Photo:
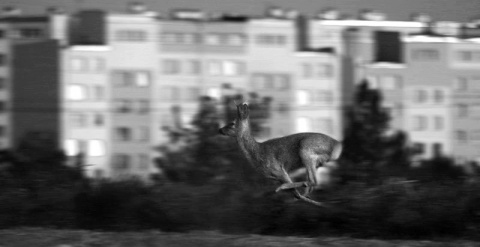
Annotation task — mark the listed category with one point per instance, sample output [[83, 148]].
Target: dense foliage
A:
[[207, 185]]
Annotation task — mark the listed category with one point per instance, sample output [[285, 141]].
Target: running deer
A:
[[276, 157]]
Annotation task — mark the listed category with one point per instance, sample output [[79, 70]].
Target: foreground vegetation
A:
[[207, 185], [63, 238]]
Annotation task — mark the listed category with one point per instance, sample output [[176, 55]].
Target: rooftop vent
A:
[[54, 10], [421, 17], [8, 11], [275, 12], [372, 15], [188, 14], [329, 14], [474, 23], [292, 14], [136, 8]]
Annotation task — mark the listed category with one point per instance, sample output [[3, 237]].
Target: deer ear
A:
[[243, 111]]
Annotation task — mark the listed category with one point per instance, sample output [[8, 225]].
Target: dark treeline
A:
[[207, 185]]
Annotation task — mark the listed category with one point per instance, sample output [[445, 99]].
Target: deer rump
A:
[[296, 154], [292, 151]]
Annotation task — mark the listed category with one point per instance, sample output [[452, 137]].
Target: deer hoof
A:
[[283, 187]]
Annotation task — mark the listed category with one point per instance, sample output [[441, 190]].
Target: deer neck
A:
[[249, 146]]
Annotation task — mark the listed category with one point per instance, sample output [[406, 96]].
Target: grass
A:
[[39, 237]]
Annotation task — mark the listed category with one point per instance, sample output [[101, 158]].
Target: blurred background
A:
[[109, 114]]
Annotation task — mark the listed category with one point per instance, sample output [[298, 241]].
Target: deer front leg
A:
[[310, 162], [291, 185]]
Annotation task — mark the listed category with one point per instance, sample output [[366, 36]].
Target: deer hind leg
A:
[[311, 162], [287, 182]]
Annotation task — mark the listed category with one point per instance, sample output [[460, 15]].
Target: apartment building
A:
[[117, 80], [261, 55], [433, 94], [29, 79], [110, 80]]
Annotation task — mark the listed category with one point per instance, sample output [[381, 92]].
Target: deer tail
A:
[[337, 151], [306, 199]]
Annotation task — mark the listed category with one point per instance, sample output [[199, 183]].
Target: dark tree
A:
[[369, 152], [200, 155]]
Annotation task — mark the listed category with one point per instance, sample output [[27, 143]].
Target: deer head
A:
[[239, 124]]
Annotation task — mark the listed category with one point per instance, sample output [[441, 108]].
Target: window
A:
[[461, 136], [439, 122], [461, 84], [77, 119], [323, 96], [79, 64], [437, 149], [96, 148], [3, 106], [214, 68], [123, 106], [303, 97], [474, 83], [170, 93], [131, 35], [307, 70], [71, 147], [232, 68], [131, 78], [468, 56], [192, 94], [475, 135], [143, 106], [143, 162], [171, 67], [123, 134], [259, 81], [180, 38], [212, 39], [372, 81], [282, 82], [226, 67], [99, 173], [303, 124], [418, 148], [144, 133], [236, 39], [325, 125], [98, 119], [98, 92], [420, 96], [390, 82], [76, 92], [30, 33], [3, 131], [269, 82], [142, 79], [121, 162], [3, 83], [425, 55], [98, 64], [214, 92], [462, 110], [419, 123], [324, 70], [438, 96], [271, 39], [194, 67], [3, 59]]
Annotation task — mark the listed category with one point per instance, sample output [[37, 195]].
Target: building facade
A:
[[111, 83]]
